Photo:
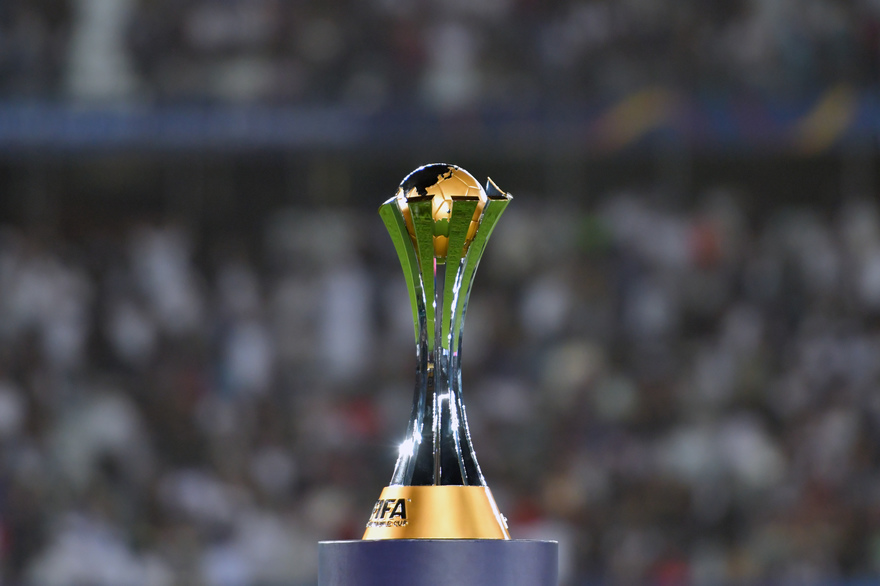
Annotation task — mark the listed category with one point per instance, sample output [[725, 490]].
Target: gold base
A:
[[436, 512]]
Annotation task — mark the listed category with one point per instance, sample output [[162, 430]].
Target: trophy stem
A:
[[435, 453], [438, 448]]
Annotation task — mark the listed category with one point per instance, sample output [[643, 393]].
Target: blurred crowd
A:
[[678, 393], [445, 55]]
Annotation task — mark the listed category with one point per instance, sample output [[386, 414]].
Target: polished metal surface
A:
[[436, 512], [440, 221]]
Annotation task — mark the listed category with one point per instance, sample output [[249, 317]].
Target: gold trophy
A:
[[439, 221]]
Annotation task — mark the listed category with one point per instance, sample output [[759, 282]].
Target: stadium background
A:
[[671, 357]]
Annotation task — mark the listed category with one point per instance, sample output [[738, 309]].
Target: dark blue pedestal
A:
[[438, 562]]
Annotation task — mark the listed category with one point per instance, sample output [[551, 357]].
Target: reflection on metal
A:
[[439, 222]]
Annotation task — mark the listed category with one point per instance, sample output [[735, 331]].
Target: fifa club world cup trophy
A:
[[439, 221]]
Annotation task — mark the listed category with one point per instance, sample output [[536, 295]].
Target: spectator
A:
[[675, 394]]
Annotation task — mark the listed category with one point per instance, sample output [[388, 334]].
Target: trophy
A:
[[439, 221]]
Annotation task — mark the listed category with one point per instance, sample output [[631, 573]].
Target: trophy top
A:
[[443, 181], [443, 184]]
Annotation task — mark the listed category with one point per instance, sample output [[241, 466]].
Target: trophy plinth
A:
[[431, 562], [439, 220]]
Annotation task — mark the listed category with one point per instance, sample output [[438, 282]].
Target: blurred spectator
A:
[[447, 55], [681, 394]]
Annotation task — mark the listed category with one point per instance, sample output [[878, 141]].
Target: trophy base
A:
[[436, 512], [428, 562]]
